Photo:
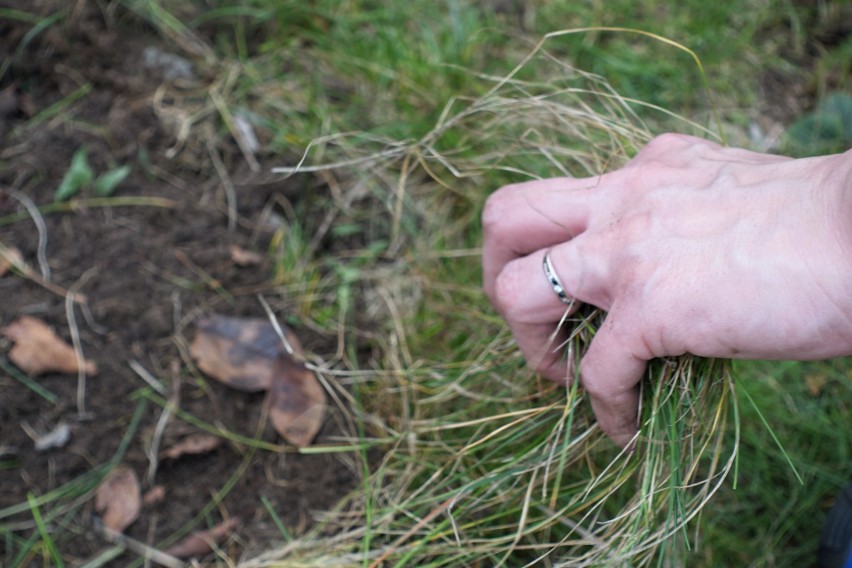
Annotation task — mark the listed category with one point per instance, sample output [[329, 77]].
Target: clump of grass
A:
[[489, 465]]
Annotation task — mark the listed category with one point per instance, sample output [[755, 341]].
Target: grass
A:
[[765, 503], [413, 112]]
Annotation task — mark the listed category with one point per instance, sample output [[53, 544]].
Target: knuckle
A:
[[664, 150], [497, 208], [674, 150], [670, 141], [646, 173]]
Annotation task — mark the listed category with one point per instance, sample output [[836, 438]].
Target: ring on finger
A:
[[553, 279]]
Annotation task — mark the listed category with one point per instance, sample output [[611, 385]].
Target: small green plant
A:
[[824, 130], [80, 175]]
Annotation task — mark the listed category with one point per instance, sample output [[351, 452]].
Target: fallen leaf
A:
[[296, 402], [156, 494], [38, 350], [203, 542], [10, 257], [243, 257], [816, 383], [240, 352], [118, 499], [248, 355], [193, 444]]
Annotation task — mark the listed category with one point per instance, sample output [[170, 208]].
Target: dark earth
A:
[[148, 271], [149, 268]]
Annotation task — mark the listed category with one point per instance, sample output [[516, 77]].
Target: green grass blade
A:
[[29, 383], [276, 519], [772, 434], [47, 540]]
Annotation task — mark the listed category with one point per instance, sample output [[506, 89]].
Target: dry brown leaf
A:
[[201, 543], [10, 257], [248, 355], [38, 350], [156, 494], [296, 402], [240, 352], [198, 443], [243, 257], [118, 499]]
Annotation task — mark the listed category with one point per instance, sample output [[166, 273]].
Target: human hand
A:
[[690, 248]]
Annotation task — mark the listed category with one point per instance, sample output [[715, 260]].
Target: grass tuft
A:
[[489, 465]]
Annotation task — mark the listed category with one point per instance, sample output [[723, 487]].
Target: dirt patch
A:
[[808, 44], [148, 269]]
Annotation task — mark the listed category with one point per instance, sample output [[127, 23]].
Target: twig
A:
[[165, 416], [228, 118], [119, 201], [395, 241], [227, 184], [133, 545], [143, 373], [78, 352], [90, 320], [41, 227], [205, 276], [75, 341], [301, 168], [18, 264], [277, 327]]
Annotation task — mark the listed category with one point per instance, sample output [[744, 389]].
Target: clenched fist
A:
[[690, 248]]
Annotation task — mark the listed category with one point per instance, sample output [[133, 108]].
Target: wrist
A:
[[835, 184]]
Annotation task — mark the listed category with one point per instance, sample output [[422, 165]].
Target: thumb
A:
[[610, 374]]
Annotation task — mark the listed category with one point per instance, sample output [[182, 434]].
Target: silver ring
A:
[[553, 279]]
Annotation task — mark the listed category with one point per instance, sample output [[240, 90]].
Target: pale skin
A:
[[690, 248]]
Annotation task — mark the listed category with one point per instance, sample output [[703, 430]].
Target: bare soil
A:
[[147, 271]]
